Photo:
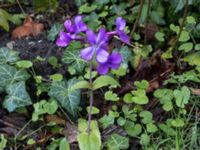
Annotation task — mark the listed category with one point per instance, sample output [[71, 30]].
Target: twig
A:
[[91, 101], [138, 17], [7, 5], [20, 6]]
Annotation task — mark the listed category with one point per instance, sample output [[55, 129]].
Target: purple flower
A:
[[113, 62], [120, 26], [97, 46], [72, 31]]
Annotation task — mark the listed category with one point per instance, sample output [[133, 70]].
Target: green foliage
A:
[[110, 96], [45, 5], [68, 99], [88, 141], [17, 96], [3, 142], [44, 107], [54, 31], [117, 142], [8, 56], [24, 64]]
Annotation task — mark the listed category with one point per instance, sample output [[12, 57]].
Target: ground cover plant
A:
[[101, 74]]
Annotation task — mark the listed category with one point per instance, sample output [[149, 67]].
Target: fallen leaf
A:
[[152, 86], [28, 28], [56, 119], [196, 91], [71, 132]]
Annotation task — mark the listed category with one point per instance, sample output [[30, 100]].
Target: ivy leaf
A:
[[8, 56], [68, 99], [186, 47], [104, 81], [182, 96], [9, 74], [54, 31], [17, 96], [73, 58], [117, 142]]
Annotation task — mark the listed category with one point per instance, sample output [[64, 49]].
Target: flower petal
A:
[[63, 39], [124, 37], [102, 55], [120, 23], [102, 69], [115, 58], [91, 37], [80, 25], [87, 53], [101, 37], [68, 25]]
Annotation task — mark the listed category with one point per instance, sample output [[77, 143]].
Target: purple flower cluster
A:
[[97, 42]]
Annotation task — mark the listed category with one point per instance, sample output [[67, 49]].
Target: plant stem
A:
[[91, 100]]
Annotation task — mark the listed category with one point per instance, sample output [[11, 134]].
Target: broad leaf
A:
[[104, 81], [117, 142], [8, 56], [9, 74], [17, 96], [73, 58], [81, 85], [68, 99]]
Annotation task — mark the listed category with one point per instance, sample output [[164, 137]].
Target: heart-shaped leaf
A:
[[17, 96], [8, 56], [65, 96]]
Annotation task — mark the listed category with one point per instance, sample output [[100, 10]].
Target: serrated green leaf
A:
[[8, 56], [9, 74], [17, 96], [117, 142], [68, 99], [104, 81]]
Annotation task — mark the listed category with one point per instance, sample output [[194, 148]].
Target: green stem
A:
[[91, 101]]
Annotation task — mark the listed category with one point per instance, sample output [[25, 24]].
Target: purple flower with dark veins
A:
[[113, 62], [72, 31], [97, 46], [120, 26]]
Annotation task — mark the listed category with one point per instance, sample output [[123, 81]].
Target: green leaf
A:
[[3, 142], [168, 130], [17, 96], [139, 97], [197, 47], [56, 77], [145, 139], [160, 36], [132, 129], [128, 98], [182, 96], [5, 16], [110, 96], [86, 8], [73, 58], [88, 141], [8, 56], [95, 110], [141, 84], [186, 47], [193, 59], [64, 144], [55, 29], [68, 99], [177, 122], [9, 74], [184, 36], [191, 20], [147, 117], [117, 142], [81, 85], [24, 64], [107, 120], [151, 128], [104, 81]]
